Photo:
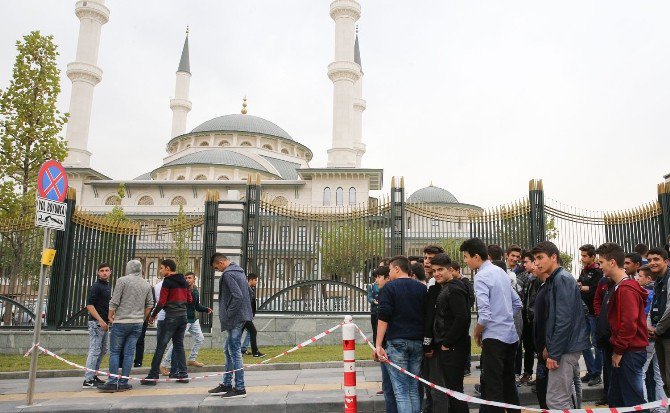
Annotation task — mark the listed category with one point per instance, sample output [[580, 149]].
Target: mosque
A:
[[222, 153]]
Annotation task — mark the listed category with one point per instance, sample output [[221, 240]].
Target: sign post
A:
[[50, 214]]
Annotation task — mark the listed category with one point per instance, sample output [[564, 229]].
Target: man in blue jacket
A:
[[566, 331], [234, 312]]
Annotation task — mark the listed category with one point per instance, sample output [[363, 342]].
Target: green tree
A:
[[117, 213], [181, 230]]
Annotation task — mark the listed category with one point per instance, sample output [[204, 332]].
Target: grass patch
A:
[[313, 353]]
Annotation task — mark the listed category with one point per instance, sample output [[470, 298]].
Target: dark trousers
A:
[[139, 347], [450, 366], [607, 370], [253, 333], [541, 380], [173, 328], [373, 322], [627, 380], [528, 348], [497, 379]]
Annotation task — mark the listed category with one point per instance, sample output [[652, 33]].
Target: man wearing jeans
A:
[[495, 332], [130, 305], [400, 323], [588, 284], [234, 312], [97, 305]]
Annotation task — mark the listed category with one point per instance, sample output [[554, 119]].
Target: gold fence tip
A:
[[212, 196], [258, 179], [531, 185], [71, 194], [539, 185], [402, 182], [393, 182]]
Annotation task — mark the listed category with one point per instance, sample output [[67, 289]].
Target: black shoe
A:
[[234, 394], [183, 379], [97, 381], [89, 384], [125, 387], [259, 354], [219, 390], [602, 402], [108, 388], [585, 378], [148, 381], [136, 364], [478, 390], [595, 381], [478, 366], [466, 372]]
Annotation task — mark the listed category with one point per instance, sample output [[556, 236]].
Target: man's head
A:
[[641, 249], [428, 253], [495, 252], [381, 276], [657, 261], [611, 258], [513, 256], [167, 267], [440, 264], [455, 270], [474, 253], [219, 261], [588, 254], [134, 267], [414, 259], [644, 275], [547, 259], [384, 262], [252, 279], [528, 261], [190, 278], [399, 267], [632, 263], [418, 272], [104, 271]]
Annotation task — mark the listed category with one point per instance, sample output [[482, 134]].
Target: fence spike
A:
[[393, 182]]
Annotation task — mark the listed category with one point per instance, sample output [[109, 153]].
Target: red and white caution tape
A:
[[108, 374], [472, 399], [30, 350]]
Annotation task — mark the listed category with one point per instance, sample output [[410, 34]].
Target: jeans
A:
[[233, 352], [387, 388], [170, 358], [97, 348], [653, 383], [561, 386], [122, 340], [593, 361], [627, 381], [408, 355], [250, 338], [497, 380], [173, 328]]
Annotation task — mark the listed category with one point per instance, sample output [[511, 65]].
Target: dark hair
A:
[[385, 262], [401, 262], [612, 251], [455, 266], [433, 249], [418, 271], [528, 255], [441, 259], [168, 263], [513, 247], [494, 252], [415, 258], [252, 276], [658, 251], [103, 265], [189, 273], [475, 246], [217, 256], [589, 249], [547, 247], [635, 257], [646, 269], [381, 271], [641, 249]]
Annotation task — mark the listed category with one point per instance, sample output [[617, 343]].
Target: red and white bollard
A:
[[349, 350]]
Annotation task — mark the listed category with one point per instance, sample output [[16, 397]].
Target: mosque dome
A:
[[433, 195], [217, 157], [242, 123]]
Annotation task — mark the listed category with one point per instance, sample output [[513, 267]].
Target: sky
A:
[[477, 97]]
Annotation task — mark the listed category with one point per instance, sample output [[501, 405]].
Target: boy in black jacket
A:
[[450, 335]]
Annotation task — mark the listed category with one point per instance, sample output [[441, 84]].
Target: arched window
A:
[[224, 143], [222, 178], [352, 196], [245, 143], [178, 200], [181, 178], [145, 200], [280, 201], [113, 200], [267, 146], [201, 177], [204, 143], [326, 196], [284, 151], [151, 270], [339, 196]]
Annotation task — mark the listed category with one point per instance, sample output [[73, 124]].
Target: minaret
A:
[[344, 73], [359, 107], [180, 105], [84, 75]]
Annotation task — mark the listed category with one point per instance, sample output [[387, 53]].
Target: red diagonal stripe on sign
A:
[[54, 183]]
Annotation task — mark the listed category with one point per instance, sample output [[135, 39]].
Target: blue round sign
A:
[[52, 181]]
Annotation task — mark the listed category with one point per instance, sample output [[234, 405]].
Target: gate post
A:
[[538, 222], [60, 272], [664, 219], [397, 217], [252, 226], [208, 249], [349, 353]]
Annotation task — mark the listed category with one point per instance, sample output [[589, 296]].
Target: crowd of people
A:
[[528, 307], [122, 317]]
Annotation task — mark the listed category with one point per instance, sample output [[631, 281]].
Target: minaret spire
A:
[[180, 105], [359, 106]]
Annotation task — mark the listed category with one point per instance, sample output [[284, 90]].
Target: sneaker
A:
[[246, 353], [89, 384], [234, 394], [595, 381], [97, 381], [183, 379], [478, 366], [602, 402], [585, 378], [478, 390], [136, 364], [380, 393], [259, 354], [467, 372], [165, 371], [195, 363], [147, 381], [108, 388], [525, 378], [219, 390], [124, 387]]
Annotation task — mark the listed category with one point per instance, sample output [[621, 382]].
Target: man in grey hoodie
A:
[[128, 309], [234, 312]]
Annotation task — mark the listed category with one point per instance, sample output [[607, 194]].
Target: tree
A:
[[181, 229], [117, 213]]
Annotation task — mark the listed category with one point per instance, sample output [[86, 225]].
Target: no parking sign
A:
[[52, 188]]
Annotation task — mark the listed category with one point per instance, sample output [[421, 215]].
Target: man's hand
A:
[[374, 356], [652, 331], [381, 354], [616, 359], [111, 318], [552, 364], [478, 334], [209, 311], [444, 348], [375, 302], [104, 326], [152, 320], [545, 354], [429, 354]]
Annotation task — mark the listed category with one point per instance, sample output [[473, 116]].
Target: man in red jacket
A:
[[628, 322]]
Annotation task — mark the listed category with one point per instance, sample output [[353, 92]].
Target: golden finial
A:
[[244, 106]]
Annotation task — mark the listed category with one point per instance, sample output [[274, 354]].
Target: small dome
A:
[[242, 123], [433, 195]]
